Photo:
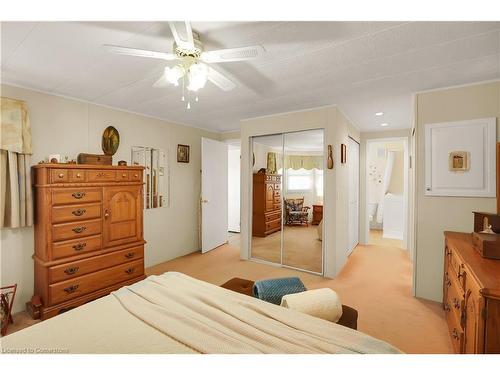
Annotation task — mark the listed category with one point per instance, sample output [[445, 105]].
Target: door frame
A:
[[250, 210], [406, 172], [349, 250]]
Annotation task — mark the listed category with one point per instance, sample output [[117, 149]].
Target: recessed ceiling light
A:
[[384, 124], [379, 113]]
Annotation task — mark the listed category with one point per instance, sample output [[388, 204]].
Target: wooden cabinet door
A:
[[122, 215], [269, 197]]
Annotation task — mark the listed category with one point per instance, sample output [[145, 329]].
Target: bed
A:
[[174, 313]]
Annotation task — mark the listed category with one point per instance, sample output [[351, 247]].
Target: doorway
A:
[[287, 200], [386, 180]]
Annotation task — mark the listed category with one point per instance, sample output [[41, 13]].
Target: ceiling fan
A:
[[192, 69]]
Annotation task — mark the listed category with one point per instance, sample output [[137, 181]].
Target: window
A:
[[300, 180]]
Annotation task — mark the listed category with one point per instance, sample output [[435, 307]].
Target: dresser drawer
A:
[[273, 224], [273, 216], [76, 195], [61, 214], [76, 230], [135, 175], [76, 247], [85, 266], [76, 175], [101, 175], [454, 303], [59, 175], [122, 176], [91, 282], [456, 332], [455, 268]]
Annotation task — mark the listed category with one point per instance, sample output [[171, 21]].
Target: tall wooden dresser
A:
[[266, 211], [88, 234], [471, 296]]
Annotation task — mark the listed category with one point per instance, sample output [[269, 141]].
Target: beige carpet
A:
[[301, 247]]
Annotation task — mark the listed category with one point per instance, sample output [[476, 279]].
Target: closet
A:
[[287, 194]]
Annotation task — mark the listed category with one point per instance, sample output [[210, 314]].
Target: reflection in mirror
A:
[[302, 172], [266, 198]]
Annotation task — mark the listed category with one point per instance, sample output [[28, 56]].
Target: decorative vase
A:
[[330, 157]]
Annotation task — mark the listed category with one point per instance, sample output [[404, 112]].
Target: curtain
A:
[[389, 165], [293, 161], [16, 203]]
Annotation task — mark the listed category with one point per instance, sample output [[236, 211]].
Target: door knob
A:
[[106, 214], [204, 200]]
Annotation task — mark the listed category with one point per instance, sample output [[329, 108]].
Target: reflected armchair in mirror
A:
[[295, 212]]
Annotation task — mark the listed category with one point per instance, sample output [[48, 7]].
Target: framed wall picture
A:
[[460, 158], [343, 153], [182, 153]]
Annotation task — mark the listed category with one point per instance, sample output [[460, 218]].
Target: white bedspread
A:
[[174, 313]]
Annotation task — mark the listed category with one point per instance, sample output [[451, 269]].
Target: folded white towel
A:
[[322, 303]]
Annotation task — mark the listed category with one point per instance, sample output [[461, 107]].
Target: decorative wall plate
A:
[[110, 140]]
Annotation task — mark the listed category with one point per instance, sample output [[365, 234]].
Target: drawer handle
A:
[[456, 303], [79, 229], [79, 212], [136, 175], [129, 271], [124, 175], [78, 175], [71, 289], [455, 334], [101, 174], [61, 175], [78, 194], [80, 246], [129, 255], [460, 274], [71, 270]]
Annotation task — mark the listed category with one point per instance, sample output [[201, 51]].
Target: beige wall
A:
[[365, 137], [68, 127], [337, 129], [437, 214]]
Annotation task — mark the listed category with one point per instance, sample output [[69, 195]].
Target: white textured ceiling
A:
[[364, 67]]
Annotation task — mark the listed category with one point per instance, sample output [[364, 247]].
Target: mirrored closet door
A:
[[303, 200], [287, 199]]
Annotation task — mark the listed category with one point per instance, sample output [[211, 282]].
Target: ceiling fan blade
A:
[[140, 52], [220, 80], [233, 54], [183, 34]]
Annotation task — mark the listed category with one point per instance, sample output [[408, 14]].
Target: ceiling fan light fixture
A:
[[197, 76], [174, 74]]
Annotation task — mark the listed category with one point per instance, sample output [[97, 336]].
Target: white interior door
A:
[[233, 188], [213, 194], [353, 166]]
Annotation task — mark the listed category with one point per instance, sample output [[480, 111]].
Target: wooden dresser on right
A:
[[471, 296]]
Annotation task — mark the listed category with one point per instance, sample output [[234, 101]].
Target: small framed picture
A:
[[343, 153], [458, 161], [182, 153]]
